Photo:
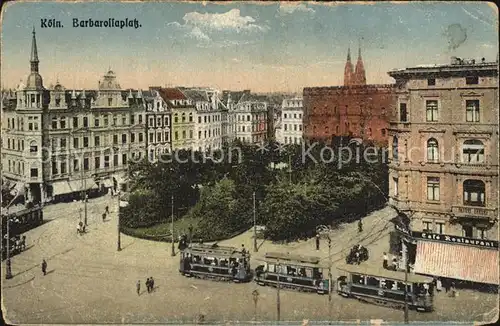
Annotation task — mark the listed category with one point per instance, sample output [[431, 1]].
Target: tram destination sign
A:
[[455, 239]]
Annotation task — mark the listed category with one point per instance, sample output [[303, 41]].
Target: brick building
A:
[[355, 109]]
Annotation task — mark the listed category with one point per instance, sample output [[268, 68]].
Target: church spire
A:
[[359, 74], [348, 70], [34, 53]]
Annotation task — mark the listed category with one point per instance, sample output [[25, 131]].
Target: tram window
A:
[[372, 281], [271, 268], [401, 287], [390, 285], [309, 272], [358, 279], [302, 272]]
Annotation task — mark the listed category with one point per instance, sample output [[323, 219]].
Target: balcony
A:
[[479, 212], [399, 126]]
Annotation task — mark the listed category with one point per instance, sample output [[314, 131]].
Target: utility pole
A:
[[278, 303], [406, 285], [84, 193], [289, 168], [8, 270], [172, 229], [329, 278], [255, 249], [119, 244]]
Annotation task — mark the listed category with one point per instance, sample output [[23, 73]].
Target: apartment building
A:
[[158, 124], [290, 128]]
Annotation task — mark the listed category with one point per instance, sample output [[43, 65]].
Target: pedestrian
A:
[[103, 217], [44, 267], [138, 287], [317, 241], [439, 285], [152, 283], [148, 285], [360, 226], [107, 210], [385, 264], [358, 259], [394, 264]]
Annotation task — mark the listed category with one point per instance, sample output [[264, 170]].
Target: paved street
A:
[[88, 281]]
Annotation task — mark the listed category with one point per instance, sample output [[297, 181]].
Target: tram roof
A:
[[286, 256], [384, 273], [214, 250]]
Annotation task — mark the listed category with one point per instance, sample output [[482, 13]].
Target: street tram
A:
[[385, 287], [302, 273], [20, 222], [215, 262]]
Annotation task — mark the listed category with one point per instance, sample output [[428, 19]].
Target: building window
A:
[[86, 164], [124, 119], [183, 117], [431, 110], [427, 226], [63, 123], [176, 135], [141, 137], [396, 188], [132, 119], [115, 139], [474, 191], [97, 141], [166, 122], [115, 120], [190, 134], [96, 122], [176, 118], [132, 138], [63, 143], [54, 123], [158, 137], [106, 120], [75, 122], [467, 231], [473, 151], [97, 163], [106, 161], [54, 167], [190, 117], [473, 80], [158, 122], [110, 101], [199, 134], [124, 159], [403, 113], [140, 118], [76, 165], [151, 138], [63, 167], [433, 188], [199, 119], [184, 134], [431, 82], [440, 227], [481, 234], [85, 142], [75, 143], [115, 160], [395, 148], [472, 110], [432, 150], [124, 138], [34, 173], [33, 147], [85, 122]]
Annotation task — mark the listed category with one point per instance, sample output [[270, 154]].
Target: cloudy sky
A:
[[263, 47]]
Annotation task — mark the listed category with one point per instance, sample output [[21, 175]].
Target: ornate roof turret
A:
[[73, 95], [83, 95], [34, 79]]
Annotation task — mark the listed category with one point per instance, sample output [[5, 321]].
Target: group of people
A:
[[150, 285], [357, 255], [17, 243], [393, 265], [80, 228]]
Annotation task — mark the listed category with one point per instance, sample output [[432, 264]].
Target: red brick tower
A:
[[348, 70], [359, 74]]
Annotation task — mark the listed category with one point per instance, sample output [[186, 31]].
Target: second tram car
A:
[[215, 262], [303, 273], [385, 287]]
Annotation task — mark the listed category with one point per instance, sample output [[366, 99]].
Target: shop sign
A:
[[456, 239]]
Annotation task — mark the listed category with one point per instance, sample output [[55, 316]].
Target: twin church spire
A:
[[354, 77]]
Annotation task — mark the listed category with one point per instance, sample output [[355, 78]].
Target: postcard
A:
[[176, 162]]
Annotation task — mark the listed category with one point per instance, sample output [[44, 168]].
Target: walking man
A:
[[44, 267], [148, 285], [317, 241], [360, 226], [103, 217], [138, 287], [107, 210], [152, 283], [385, 263]]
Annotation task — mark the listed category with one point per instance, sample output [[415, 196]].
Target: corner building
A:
[[444, 148]]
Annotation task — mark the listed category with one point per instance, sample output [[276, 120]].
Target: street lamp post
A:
[[278, 302], [172, 229], [325, 230], [8, 269], [119, 243], [255, 249]]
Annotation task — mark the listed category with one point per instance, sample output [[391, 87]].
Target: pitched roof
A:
[[170, 94], [195, 94]]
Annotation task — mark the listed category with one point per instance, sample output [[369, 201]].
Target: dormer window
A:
[[58, 102], [474, 80]]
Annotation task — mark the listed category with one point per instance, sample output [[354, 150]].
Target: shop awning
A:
[[81, 185], [61, 188], [456, 261], [107, 183]]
